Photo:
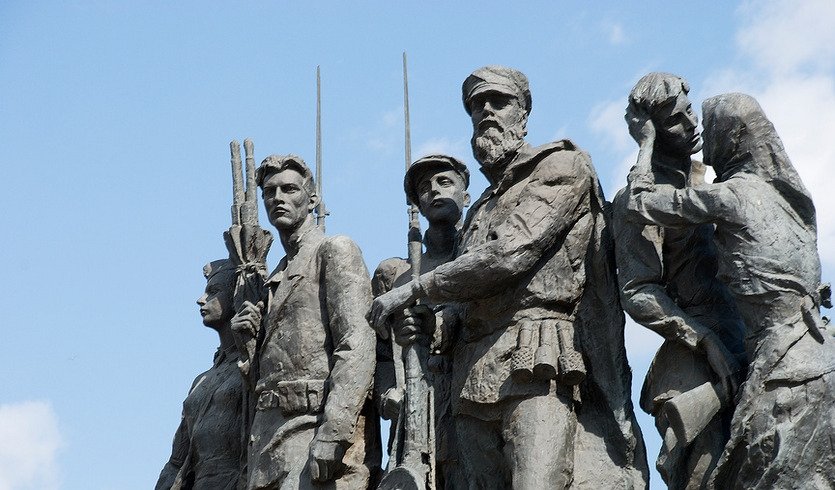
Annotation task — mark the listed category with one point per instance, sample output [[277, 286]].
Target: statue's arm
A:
[[641, 276], [348, 299], [649, 304], [668, 206], [179, 453], [556, 196]]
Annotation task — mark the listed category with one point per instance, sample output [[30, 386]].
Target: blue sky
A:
[[115, 120]]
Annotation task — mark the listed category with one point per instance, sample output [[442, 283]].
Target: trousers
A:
[[521, 443]]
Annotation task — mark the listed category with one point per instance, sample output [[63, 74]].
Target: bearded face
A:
[[494, 145], [498, 127]]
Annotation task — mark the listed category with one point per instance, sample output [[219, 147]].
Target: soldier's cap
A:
[[495, 78], [279, 163], [216, 267], [432, 162]]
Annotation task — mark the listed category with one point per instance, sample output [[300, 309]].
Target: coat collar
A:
[[305, 244]]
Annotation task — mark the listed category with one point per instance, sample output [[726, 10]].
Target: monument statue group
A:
[[496, 348]]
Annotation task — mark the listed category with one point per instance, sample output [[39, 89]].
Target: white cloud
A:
[[615, 33], [607, 120], [786, 36], [382, 135], [393, 118], [380, 145], [29, 442]]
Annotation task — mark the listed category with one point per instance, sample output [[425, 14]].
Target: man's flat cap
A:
[[436, 163], [499, 79]]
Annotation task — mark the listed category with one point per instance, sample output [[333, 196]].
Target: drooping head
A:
[[498, 101], [438, 185], [663, 97], [216, 305], [739, 138], [288, 190]]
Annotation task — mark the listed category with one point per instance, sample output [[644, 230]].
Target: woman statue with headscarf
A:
[[766, 237]]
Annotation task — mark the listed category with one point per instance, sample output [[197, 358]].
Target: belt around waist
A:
[[294, 397]]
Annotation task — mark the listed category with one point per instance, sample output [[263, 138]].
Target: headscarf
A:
[[739, 138]]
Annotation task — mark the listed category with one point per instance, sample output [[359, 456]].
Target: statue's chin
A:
[[490, 150]]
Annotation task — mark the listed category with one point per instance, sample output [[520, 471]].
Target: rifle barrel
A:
[[251, 196], [320, 208], [237, 181]]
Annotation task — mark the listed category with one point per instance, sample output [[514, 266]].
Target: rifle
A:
[[321, 210], [414, 450], [248, 245]]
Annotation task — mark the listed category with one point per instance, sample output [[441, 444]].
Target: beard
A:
[[493, 144]]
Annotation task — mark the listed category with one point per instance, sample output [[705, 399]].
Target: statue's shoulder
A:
[[561, 159], [337, 245], [387, 273], [199, 379], [392, 265], [621, 198]]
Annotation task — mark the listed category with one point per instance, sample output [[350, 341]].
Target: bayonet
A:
[[321, 210]]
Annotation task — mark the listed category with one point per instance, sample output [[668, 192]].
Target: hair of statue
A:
[[657, 89], [279, 163]]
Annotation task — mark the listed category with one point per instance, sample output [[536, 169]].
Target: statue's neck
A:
[[291, 237], [672, 169], [440, 240], [227, 342]]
